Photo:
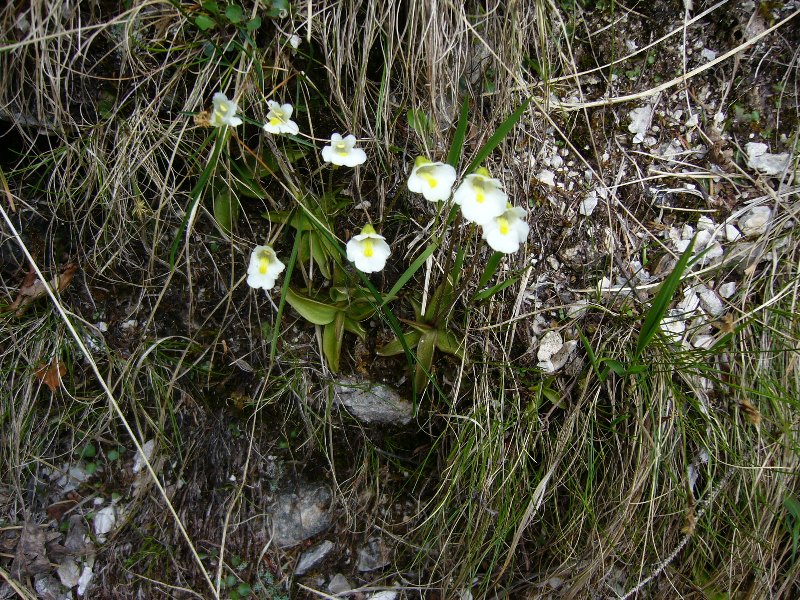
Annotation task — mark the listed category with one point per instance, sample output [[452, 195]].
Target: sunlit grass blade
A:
[[409, 272], [457, 145], [287, 276], [198, 190], [490, 269], [662, 301], [497, 137]]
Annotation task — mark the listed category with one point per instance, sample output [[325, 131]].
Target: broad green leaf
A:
[[360, 309], [211, 6], [614, 365], [204, 22], [500, 133], [552, 395], [254, 23], [395, 347], [313, 311], [319, 255], [662, 301], [425, 348], [448, 343], [457, 145], [226, 210], [441, 301], [332, 335], [278, 216], [590, 353], [234, 13], [409, 272], [792, 507], [355, 327]]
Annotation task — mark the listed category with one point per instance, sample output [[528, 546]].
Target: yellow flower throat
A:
[[429, 179], [504, 226], [341, 148], [368, 248], [263, 263]]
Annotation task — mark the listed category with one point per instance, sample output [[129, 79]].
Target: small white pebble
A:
[[547, 177], [726, 290], [754, 223], [731, 233], [705, 224]]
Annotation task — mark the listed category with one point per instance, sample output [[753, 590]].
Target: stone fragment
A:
[[754, 222], [373, 555], [373, 402], [339, 584], [301, 513], [313, 557], [769, 164]]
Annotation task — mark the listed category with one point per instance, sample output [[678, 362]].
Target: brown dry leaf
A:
[[32, 288], [30, 557], [51, 374]]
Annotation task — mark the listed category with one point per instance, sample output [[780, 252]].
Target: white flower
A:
[[342, 151], [264, 268], [506, 232], [278, 120], [481, 197], [368, 250], [224, 112], [294, 41], [434, 180]]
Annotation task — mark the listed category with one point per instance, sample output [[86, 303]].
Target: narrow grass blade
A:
[[409, 272], [661, 301], [197, 192], [287, 276], [457, 145], [494, 289], [502, 131], [490, 269]]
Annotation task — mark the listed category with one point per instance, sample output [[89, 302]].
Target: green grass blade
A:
[[197, 192], [502, 131], [457, 145], [287, 276], [494, 289], [409, 272], [662, 301], [490, 269]]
